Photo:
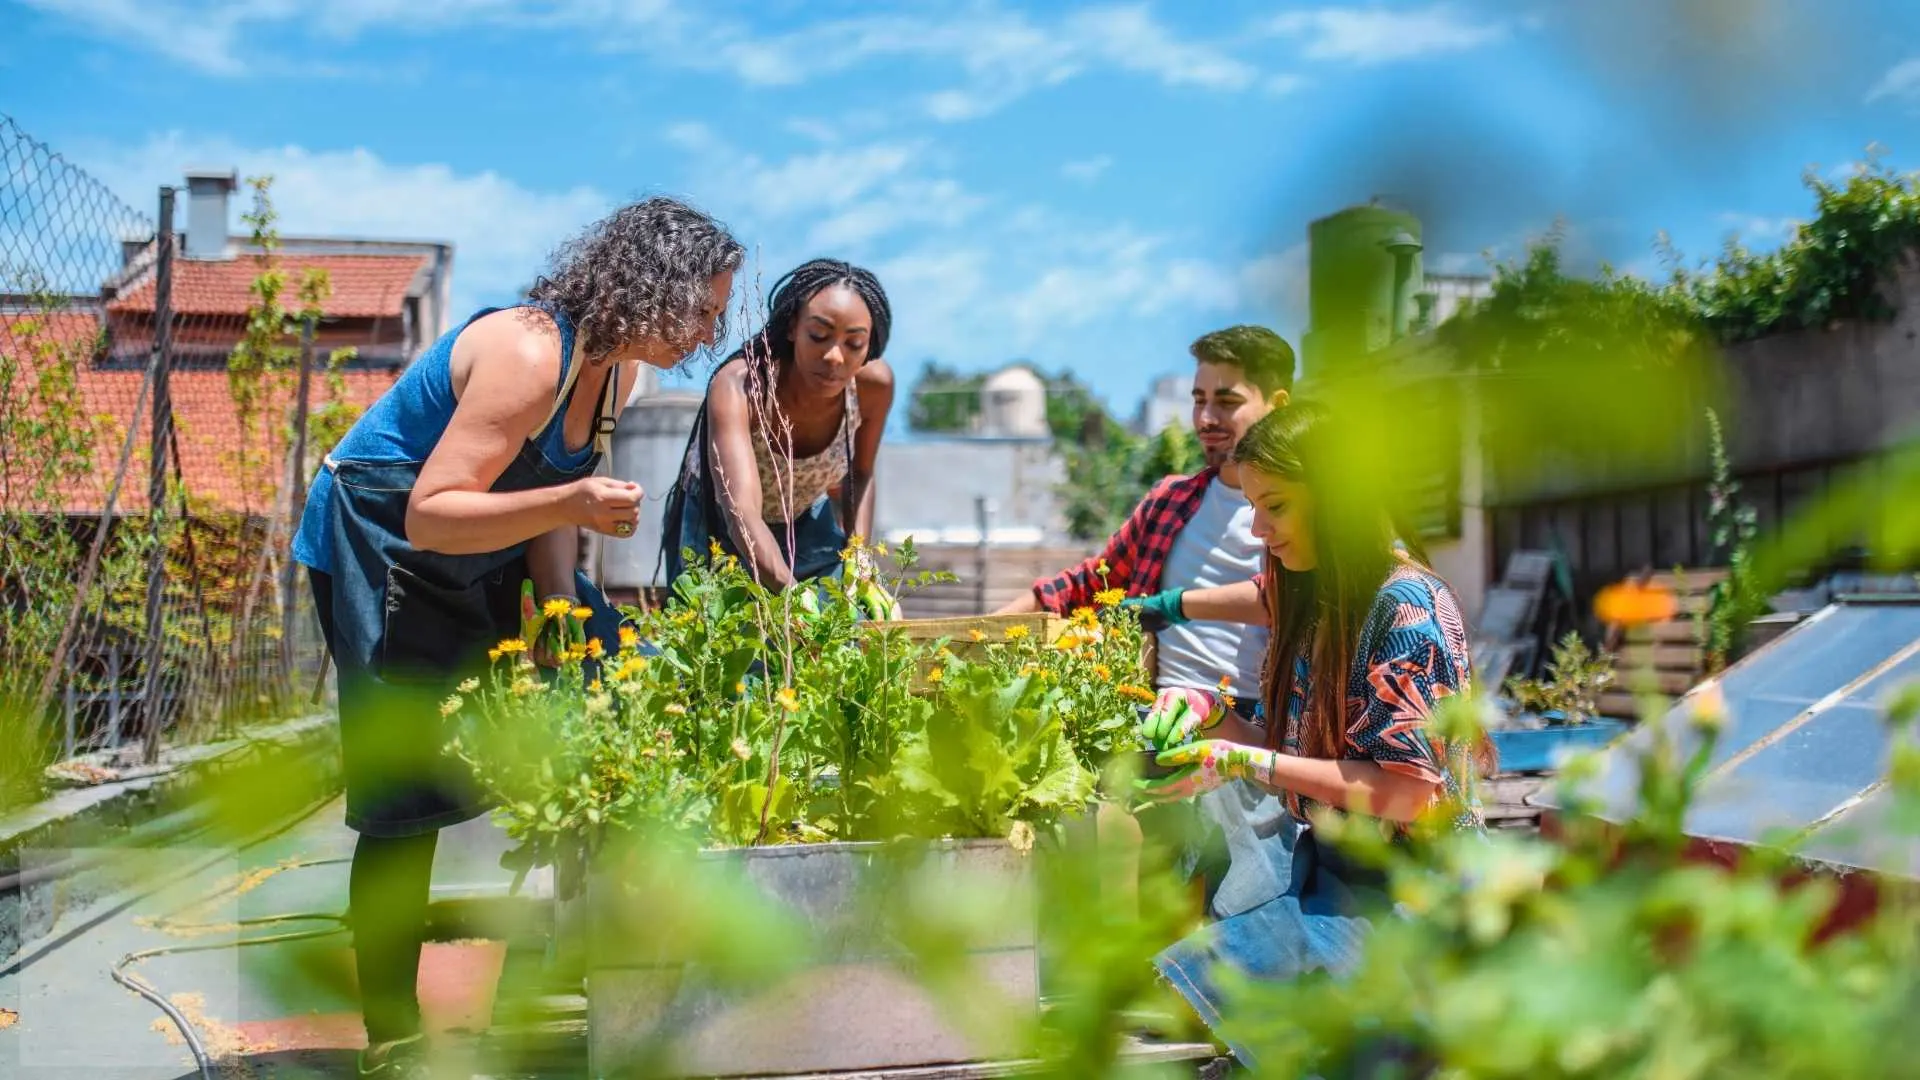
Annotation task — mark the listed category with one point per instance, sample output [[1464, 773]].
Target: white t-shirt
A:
[[1216, 547]]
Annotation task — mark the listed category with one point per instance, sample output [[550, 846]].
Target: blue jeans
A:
[[1318, 924]]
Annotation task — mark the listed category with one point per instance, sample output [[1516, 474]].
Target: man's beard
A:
[[1216, 457]]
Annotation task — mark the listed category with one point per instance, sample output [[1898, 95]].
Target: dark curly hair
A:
[[803, 283], [642, 271], [1263, 356]]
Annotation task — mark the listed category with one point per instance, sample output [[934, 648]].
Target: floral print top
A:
[[1413, 654]]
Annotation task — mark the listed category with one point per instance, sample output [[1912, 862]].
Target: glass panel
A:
[[1868, 837], [1798, 780]]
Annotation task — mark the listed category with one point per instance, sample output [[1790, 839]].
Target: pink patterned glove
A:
[[1177, 713], [1204, 766]]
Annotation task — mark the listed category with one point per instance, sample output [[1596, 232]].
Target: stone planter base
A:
[[858, 1006]]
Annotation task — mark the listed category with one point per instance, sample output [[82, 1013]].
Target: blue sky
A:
[[1086, 186]]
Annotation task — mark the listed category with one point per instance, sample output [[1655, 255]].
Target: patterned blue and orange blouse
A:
[[1413, 654]]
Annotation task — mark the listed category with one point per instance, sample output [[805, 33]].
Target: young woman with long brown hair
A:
[[1367, 640]]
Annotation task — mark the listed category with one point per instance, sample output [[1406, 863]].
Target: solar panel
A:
[[1790, 778], [1869, 836]]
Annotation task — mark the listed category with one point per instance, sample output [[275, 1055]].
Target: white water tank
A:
[[647, 448], [1013, 404]]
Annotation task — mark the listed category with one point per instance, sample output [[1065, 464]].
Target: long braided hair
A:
[[773, 345]]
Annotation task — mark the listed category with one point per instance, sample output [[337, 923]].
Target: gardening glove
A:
[[1204, 766], [1159, 611], [1176, 714]]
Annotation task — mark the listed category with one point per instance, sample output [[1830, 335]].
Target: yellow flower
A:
[[788, 699], [1109, 597], [935, 675], [493, 655], [713, 549], [629, 638], [574, 653], [1027, 669], [1104, 674], [583, 613], [631, 666], [977, 634], [739, 688], [594, 686], [556, 607], [1228, 700], [1015, 633], [1101, 568], [468, 686], [1086, 618], [512, 646], [451, 705], [1137, 693], [879, 549], [595, 649]]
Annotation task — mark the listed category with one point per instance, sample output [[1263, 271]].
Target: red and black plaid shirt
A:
[[1136, 555]]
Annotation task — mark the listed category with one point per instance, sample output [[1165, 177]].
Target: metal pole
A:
[[296, 500], [980, 518], [162, 427]]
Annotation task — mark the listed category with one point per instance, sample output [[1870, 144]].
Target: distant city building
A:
[[1169, 401]]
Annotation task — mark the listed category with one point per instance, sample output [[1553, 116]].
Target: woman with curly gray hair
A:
[[471, 474]]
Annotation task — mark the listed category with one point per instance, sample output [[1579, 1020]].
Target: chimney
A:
[[207, 191]]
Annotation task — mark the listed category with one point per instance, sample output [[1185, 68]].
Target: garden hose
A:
[[146, 990], [141, 987]]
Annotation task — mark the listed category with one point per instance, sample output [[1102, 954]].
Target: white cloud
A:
[[1902, 80], [502, 232], [1377, 34], [1000, 54], [839, 200], [1765, 231], [1132, 39], [1088, 170]]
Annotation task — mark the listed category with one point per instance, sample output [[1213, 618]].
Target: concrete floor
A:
[[279, 1009], [289, 1009]]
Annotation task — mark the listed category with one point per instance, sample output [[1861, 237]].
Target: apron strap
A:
[[572, 376]]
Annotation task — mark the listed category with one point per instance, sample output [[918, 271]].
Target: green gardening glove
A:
[[1158, 611]]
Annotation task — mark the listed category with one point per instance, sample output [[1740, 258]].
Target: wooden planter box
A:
[[1043, 627], [856, 1007]]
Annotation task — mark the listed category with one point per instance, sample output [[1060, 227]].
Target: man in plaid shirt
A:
[[1241, 374], [1196, 533]]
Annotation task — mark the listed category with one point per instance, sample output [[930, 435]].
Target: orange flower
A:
[[1138, 693], [1629, 603]]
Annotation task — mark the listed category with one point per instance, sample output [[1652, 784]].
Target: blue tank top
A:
[[407, 422]]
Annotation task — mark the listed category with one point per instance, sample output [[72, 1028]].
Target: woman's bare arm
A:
[[874, 384], [737, 478], [508, 394], [1360, 786]]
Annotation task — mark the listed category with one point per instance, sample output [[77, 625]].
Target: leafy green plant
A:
[[1735, 600], [739, 716], [1610, 951], [1576, 676]]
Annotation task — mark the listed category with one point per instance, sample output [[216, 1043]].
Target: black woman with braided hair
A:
[[779, 468]]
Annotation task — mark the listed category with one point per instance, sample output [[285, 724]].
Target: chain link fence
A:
[[147, 483]]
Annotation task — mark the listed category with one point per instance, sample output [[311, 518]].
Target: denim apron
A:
[[409, 625]]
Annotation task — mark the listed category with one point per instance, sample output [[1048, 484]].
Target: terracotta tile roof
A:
[[364, 286], [211, 436]]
